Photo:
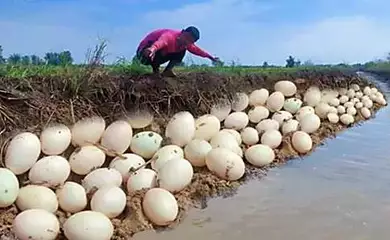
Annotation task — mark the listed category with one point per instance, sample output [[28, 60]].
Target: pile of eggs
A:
[[250, 128]]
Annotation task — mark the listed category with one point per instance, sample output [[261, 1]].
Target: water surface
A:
[[341, 191]]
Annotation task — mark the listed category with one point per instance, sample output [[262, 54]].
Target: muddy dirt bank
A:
[[31, 104]]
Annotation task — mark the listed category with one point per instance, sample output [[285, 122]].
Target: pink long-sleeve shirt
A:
[[165, 40]]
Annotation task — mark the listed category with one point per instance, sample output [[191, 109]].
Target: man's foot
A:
[[169, 73]]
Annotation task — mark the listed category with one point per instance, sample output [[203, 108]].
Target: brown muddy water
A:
[[341, 191]]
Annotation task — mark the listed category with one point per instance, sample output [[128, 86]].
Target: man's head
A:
[[188, 36]]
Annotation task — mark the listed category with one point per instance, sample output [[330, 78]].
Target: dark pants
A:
[[173, 58]]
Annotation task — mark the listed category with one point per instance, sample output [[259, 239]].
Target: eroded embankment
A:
[[31, 104]]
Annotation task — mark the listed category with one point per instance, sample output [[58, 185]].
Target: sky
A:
[[244, 31]]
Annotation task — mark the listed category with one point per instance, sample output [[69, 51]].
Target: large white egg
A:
[[291, 125], [175, 175], [35, 196], [85, 159], [221, 110], [343, 99], [181, 128], [367, 103], [225, 164], [322, 109], [140, 118], [124, 165], [88, 225], [146, 144], [347, 119], [366, 113], [101, 177], [87, 131], [310, 123], [164, 154], [195, 152], [351, 111], [281, 117], [109, 200], [288, 88], [36, 224], [236, 120], [267, 124], [303, 111], [249, 136], [240, 102], [301, 142], [328, 94], [374, 90], [9, 187], [340, 109], [206, 127], [367, 90], [143, 178], [55, 139], [312, 96], [235, 134], [260, 155], [258, 97], [275, 101], [292, 105], [332, 110], [333, 117], [50, 170], [22, 152], [358, 105], [72, 197], [272, 138], [225, 140], [334, 102], [351, 93], [349, 104], [117, 137], [160, 206], [258, 113]]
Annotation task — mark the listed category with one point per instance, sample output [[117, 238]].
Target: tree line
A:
[[50, 58]]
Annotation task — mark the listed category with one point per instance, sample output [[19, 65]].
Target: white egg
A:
[[275, 101], [310, 123], [322, 109], [22, 152], [175, 175], [291, 125], [36, 224], [351, 93], [301, 142], [225, 164], [292, 105], [347, 119], [333, 117], [272, 138], [87, 131], [143, 178], [109, 200], [359, 95], [51, 170], [288, 88], [328, 95], [160, 206], [236, 120], [101, 177], [367, 90], [332, 110], [88, 225], [340, 109], [355, 87], [35, 196], [206, 127], [258, 97], [342, 91], [117, 137], [281, 117], [9, 187], [351, 111], [358, 105], [235, 134], [146, 144], [225, 140], [303, 111], [258, 113], [240, 102], [195, 152], [366, 113], [260, 155], [85, 159], [312, 96], [249, 136], [55, 139], [349, 104], [334, 102], [343, 99], [267, 124], [367, 103], [124, 165], [181, 128], [72, 197], [164, 154], [221, 110]]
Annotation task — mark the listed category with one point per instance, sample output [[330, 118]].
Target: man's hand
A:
[[149, 52], [216, 60]]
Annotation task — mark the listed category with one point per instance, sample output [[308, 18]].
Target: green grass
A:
[[23, 71]]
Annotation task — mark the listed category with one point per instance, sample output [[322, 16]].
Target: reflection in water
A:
[[341, 191]]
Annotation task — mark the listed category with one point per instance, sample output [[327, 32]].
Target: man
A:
[[163, 45]]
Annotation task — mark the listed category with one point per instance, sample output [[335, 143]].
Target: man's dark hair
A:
[[193, 31]]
